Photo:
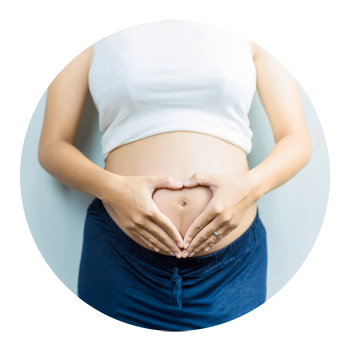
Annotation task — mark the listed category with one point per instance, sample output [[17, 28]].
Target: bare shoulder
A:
[[84, 58], [256, 50], [279, 94], [66, 98], [87, 53], [266, 60]]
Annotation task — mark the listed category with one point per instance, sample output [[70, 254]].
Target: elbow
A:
[[306, 146], [41, 156], [302, 146], [47, 154]]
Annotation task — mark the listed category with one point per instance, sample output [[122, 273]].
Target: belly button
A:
[[184, 204]]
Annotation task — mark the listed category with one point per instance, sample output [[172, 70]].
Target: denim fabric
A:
[[130, 283]]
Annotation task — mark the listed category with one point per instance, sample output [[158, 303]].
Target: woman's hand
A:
[[135, 207], [232, 196]]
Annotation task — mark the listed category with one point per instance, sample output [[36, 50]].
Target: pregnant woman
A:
[[173, 239]]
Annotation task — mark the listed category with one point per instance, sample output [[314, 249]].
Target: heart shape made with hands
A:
[[182, 206], [216, 203]]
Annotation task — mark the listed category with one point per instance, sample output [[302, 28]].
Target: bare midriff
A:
[[180, 155]]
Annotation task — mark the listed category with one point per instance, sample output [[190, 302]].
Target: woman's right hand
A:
[[132, 201]]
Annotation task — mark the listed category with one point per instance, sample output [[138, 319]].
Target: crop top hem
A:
[[239, 141], [156, 78]]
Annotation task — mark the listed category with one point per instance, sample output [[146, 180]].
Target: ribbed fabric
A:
[[130, 283], [162, 77]]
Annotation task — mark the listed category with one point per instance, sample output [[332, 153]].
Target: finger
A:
[[166, 224], [160, 235], [215, 225], [210, 241], [152, 243], [165, 182], [200, 179], [144, 236], [207, 216]]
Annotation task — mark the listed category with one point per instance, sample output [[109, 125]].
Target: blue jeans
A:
[[130, 283]]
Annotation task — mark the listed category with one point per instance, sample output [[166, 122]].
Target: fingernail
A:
[[187, 244], [178, 184], [179, 244], [156, 249], [207, 248], [187, 182], [185, 255], [172, 253], [191, 254], [178, 255]]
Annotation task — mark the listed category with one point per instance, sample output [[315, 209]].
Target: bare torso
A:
[[180, 155]]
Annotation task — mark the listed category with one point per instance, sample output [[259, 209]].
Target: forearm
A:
[[289, 155], [72, 168]]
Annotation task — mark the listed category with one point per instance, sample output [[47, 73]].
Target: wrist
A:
[[111, 184], [255, 184]]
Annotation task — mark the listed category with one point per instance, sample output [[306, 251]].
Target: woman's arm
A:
[[64, 106], [130, 197], [279, 93], [280, 96]]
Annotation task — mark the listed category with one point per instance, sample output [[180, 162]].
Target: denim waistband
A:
[[252, 237]]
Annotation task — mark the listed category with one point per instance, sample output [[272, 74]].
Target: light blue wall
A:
[[55, 213], [292, 214]]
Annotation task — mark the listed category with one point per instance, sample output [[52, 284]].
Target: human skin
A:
[[138, 186], [180, 155]]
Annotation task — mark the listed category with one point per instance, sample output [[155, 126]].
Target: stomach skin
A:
[[180, 154]]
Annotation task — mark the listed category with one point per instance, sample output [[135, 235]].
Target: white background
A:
[[310, 38]]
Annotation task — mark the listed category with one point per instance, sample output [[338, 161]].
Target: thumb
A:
[[199, 179], [166, 182]]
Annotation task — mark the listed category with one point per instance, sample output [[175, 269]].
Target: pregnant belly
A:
[[182, 206], [180, 155]]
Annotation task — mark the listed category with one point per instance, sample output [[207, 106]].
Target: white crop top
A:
[[172, 76]]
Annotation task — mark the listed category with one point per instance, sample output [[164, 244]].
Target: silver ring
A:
[[216, 234]]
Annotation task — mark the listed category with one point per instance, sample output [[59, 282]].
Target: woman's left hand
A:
[[232, 196]]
